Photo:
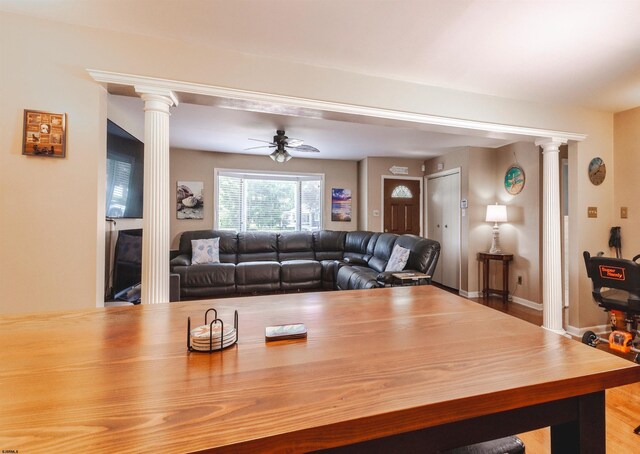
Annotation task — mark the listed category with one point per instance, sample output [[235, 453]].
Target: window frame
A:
[[275, 175]]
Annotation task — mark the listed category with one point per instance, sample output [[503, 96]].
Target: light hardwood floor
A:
[[623, 403]]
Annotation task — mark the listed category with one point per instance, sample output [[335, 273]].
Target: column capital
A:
[[162, 96], [550, 143]]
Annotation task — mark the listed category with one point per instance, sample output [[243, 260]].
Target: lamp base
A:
[[495, 243]]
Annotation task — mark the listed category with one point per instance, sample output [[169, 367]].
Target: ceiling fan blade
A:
[[293, 143], [265, 141], [307, 149], [261, 146]]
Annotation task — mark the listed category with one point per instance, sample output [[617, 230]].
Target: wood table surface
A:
[[375, 363]]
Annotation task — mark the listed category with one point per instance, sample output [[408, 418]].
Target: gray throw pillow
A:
[[205, 251], [398, 260]]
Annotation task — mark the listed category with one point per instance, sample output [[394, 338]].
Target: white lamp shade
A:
[[496, 213]]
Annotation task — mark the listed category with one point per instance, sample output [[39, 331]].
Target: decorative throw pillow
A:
[[399, 259], [205, 251]]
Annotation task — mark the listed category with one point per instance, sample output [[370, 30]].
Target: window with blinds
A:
[[248, 201]]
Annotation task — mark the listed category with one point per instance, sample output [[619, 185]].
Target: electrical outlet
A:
[[519, 280]]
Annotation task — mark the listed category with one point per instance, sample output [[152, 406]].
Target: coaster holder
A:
[[213, 322]]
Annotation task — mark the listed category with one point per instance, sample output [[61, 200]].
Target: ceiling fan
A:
[[282, 144]]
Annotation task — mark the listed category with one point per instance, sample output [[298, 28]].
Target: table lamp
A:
[[496, 213]]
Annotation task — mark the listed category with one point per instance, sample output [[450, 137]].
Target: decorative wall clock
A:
[[597, 171], [514, 179]]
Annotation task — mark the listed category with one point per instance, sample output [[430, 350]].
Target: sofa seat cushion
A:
[[298, 274], [356, 277], [208, 275], [257, 276]]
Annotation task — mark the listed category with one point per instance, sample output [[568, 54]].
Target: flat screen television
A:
[[125, 172]]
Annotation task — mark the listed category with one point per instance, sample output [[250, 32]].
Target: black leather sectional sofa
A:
[[255, 262]]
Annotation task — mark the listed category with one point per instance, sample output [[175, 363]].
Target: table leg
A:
[[586, 435], [485, 278], [505, 282]]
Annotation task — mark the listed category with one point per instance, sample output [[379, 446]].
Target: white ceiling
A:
[[226, 130], [576, 52]]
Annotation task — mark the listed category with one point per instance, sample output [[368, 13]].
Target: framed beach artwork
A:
[[341, 205], [514, 179], [190, 200]]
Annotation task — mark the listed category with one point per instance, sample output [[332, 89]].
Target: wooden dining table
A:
[[386, 370]]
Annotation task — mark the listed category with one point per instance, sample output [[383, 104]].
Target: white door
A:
[[434, 219], [443, 208]]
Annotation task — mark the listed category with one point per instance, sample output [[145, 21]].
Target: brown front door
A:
[[402, 206]]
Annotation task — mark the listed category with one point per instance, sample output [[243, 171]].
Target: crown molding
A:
[[236, 98]]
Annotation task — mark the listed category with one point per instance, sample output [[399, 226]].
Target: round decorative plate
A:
[[514, 179], [597, 171]]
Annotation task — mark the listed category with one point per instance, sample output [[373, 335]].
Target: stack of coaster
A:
[[207, 337]]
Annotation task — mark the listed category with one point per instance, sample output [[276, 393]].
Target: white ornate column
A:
[[156, 212], [551, 241]]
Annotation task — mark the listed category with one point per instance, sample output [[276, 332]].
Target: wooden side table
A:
[[405, 278], [485, 258]]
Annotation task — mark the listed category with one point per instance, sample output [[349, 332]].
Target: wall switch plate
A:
[[592, 212], [624, 213]]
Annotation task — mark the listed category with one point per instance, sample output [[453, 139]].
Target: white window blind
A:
[[253, 201]]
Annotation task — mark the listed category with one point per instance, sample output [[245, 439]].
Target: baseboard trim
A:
[[466, 294], [526, 303], [513, 299], [578, 332]]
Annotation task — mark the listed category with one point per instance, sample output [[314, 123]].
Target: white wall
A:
[[627, 167], [53, 210]]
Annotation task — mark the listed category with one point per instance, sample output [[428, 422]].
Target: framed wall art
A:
[[44, 134], [341, 205], [190, 200], [514, 179], [597, 171]]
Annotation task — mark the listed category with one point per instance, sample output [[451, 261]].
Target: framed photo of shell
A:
[[190, 200], [44, 134], [514, 179]]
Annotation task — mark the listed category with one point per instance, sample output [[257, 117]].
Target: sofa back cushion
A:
[[424, 253], [228, 243], [295, 246], [257, 247], [329, 245], [355, 244], [382, 251]]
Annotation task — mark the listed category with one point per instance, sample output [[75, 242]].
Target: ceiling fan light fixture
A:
[[280, 156]]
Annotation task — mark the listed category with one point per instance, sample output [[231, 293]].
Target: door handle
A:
[[446, 226], [438, 225]]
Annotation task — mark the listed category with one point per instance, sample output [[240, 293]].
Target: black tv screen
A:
[[125, 172]]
